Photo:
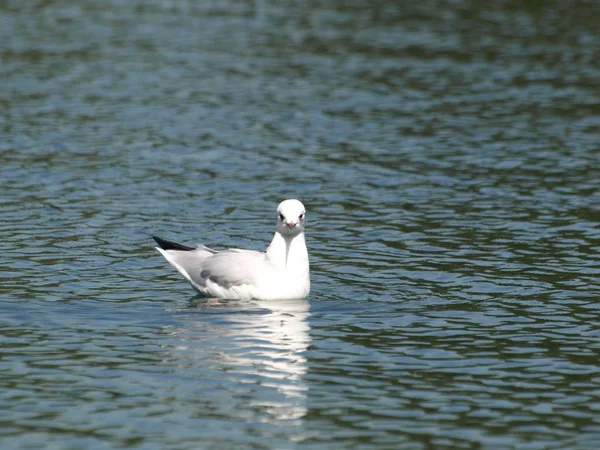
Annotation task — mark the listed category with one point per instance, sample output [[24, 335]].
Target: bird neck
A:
[[288, 252]]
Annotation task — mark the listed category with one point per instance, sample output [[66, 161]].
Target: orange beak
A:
[[291, 224]]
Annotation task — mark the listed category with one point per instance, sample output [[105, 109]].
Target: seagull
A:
[[279, 273]]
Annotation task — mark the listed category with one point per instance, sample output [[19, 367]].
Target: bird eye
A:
[[301, 216], [281, 217]]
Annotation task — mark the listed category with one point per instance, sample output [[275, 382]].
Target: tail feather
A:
[[168, 245]]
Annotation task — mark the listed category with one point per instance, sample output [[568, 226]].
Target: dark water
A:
[[448, 155]]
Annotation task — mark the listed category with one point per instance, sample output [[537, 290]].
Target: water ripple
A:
[[447, 155]]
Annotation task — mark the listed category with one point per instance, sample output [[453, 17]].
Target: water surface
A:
[[447, 153]]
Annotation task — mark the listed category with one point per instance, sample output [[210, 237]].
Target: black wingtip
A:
[[168, 245]]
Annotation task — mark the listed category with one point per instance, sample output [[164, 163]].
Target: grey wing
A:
[[230, 268], [188, 263]]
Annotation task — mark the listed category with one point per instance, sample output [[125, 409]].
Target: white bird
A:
[[282, 272]]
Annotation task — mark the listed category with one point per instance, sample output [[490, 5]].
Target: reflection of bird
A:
[[254, 350], [281, 272], [285, 330]]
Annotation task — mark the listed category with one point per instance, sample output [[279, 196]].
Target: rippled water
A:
[[448, 156]]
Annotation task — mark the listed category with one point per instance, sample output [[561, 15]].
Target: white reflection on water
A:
[[252, 350]]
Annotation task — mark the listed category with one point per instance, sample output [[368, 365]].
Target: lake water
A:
[[448, 153]]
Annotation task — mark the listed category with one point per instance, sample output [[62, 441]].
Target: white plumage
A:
[[282, 272]]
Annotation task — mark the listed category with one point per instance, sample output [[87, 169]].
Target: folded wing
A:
[[231, 268], [202, 266]]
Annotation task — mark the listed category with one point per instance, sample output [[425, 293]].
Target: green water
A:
[[447, 153]]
